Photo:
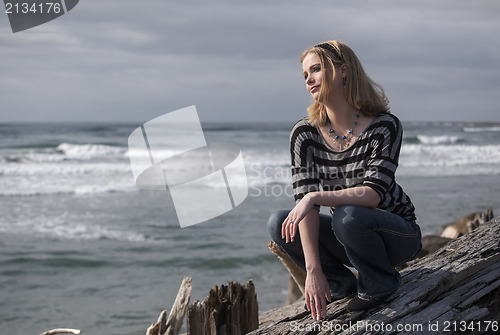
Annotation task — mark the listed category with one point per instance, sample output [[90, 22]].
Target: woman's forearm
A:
[[309, 236], [360, 196]]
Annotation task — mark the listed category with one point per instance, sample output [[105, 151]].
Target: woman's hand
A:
[[317, 291], [289, 226]]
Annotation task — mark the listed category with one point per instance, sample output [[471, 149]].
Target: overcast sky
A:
[[130, 61]]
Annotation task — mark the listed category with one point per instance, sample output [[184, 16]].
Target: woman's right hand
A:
[[317, 291], [301, 209]]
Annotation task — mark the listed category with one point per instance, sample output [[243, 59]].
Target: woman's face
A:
[[313, 74]]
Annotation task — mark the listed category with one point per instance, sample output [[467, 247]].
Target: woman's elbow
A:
[[372, 198]]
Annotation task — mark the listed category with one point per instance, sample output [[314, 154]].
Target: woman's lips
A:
[[313, 89]]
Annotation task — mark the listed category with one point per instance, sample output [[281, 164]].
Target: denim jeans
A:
[[372, 241]]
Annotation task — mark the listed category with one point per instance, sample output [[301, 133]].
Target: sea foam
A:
[[481, 129], [87, 151], [443, 139]]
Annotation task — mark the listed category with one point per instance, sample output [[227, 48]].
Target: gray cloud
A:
[[238, 60]]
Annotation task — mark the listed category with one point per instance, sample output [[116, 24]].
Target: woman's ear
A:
[[343, 70]]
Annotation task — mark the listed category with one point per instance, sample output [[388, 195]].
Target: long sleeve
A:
[[383, 161], [305, 177]]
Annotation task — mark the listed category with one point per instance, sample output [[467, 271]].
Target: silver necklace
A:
[[342, 140]]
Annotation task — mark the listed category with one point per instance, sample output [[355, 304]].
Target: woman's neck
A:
[[341, 113]]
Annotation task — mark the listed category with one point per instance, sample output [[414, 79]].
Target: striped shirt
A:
[[370, 161]]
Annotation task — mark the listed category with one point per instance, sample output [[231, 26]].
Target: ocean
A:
[[82, 247]]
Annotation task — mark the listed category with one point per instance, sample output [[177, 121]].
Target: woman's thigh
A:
[[356, 226]]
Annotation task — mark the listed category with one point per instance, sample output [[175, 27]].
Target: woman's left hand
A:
[[289, 226]]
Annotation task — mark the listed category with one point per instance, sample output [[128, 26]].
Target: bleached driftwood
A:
[[455, 286], [297, 275], [228, 310], [173, 324], [62, 331], [466, 224], [179, 309], [159, 327]]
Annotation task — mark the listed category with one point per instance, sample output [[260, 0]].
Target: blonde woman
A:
[[344, 155]]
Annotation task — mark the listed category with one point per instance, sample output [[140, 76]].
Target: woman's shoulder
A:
[[384, 122], [386, 117], [302, 122], [303, 126]]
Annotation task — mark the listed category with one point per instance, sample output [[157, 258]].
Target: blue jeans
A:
[[372, 241]]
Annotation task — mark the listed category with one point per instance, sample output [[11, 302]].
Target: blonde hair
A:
[[360, 91]]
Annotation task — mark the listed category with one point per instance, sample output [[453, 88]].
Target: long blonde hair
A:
[[360, 91]]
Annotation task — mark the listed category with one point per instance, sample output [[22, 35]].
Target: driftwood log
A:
[[297, 278], [173, 324], [179, 308], [466, 224], [456, 288], [228, 310]]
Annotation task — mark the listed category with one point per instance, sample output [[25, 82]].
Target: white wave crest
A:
[[60, 228], [414, 155], [77, 177], [443, 139], [480, 129], [88, 151], [75, 169]]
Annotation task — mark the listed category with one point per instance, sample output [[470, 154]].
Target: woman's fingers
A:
[[284, 229], [317, 306], [311, 305], [323, 308], [288, 229], [292, 229], [312, 302]]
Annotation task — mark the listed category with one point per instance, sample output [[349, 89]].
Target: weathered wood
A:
[[158, 327], [173, 324], [179, 309], [298, 275], [459, 283], [294, 292], [289, 311], [62, 331], [228, 310], [466, 224]]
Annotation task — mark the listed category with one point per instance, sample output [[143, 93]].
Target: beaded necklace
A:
[[343, 140]]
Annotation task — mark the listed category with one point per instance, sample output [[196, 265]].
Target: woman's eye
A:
[[316, 69]]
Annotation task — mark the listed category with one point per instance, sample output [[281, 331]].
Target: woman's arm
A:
[[360, 196], [317, 289]]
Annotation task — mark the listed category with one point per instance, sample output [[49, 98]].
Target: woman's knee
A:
[[274, 224], [349, 220]]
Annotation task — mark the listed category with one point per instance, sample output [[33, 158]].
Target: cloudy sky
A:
[[130, 61]]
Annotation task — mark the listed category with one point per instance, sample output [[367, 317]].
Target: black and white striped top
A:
[[370, 161]]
